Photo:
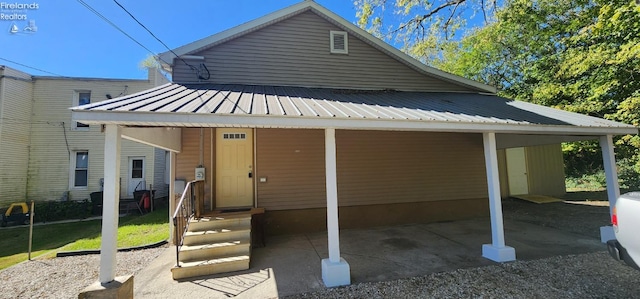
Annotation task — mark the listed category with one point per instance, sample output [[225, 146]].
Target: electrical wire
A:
[[33, 68], [165, 45], [97, 13]]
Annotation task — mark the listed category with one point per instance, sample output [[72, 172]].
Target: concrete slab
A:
[[292, 264]]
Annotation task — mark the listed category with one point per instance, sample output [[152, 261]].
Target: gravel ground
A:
[[65, 277], [593, 275]]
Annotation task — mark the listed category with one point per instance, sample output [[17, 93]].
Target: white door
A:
[[517, 171], [135, 175], [234, 168]]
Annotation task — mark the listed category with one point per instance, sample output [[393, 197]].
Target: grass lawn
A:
[[52, 238]]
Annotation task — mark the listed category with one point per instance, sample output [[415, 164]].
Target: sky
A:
[[70, 40]]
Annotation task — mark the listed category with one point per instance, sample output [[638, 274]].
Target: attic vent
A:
[[339, 42]]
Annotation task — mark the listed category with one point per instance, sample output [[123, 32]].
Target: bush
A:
[[61, 210], [593, 182]]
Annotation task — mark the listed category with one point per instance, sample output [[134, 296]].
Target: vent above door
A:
[[339, 42]]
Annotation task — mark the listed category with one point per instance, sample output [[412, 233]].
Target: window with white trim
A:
[[339, 42], [79, 169], [81, 98]]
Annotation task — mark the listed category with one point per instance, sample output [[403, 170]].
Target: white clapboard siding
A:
[[16, 89], [53, 137]]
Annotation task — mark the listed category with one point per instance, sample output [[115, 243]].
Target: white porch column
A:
[[613, 187], [111, 202], [496, 251], [335, 270], [172, 192]]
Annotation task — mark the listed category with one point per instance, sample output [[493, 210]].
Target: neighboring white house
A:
[[46, 156]]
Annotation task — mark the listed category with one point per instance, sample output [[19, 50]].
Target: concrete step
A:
[[215, 250], [211, 266], [219, 222], [217, 235]]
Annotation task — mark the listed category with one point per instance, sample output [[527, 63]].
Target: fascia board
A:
[[208, 120]]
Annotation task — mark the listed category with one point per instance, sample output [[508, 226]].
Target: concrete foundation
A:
[[498, 254], [314, 220], [121, 288], [336, 274]]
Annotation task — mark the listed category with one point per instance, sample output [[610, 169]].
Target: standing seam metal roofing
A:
[[289, 101]]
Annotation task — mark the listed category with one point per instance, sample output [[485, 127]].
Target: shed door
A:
[[517, 171], [234, 168]]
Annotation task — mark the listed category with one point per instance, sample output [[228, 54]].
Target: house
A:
[[47, 156], [327, 127]]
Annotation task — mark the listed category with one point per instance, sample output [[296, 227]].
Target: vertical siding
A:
[[53, 138], [159, 169], [296, 52], [546, 170], [15, 121], [502, 173], [374, 167], [189, 158]]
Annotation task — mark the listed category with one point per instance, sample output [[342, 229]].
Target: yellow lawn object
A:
[[16, 213]]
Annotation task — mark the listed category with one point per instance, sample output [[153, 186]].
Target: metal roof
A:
[[283, 106]]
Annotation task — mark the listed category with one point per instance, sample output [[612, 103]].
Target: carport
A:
[[290, 264], [155, 117]]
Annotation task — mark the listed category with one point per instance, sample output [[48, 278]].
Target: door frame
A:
[[519, 158], [215, 156]]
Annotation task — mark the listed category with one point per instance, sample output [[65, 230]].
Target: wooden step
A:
[[219, 222], [211, 266], [217, 235], [214, 250]]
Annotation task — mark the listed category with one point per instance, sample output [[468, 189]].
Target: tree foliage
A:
[[577, 55], [424, 26]]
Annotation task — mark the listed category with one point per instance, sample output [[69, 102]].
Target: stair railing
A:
[[185, 211]]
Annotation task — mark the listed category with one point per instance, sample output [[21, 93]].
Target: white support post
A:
[[335, 270], [613, 187], [496, 251], [172, 193], [111, 203]]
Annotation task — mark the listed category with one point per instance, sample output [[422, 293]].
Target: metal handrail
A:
[[184, 212]]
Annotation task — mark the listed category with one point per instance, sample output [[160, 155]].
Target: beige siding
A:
[[189, 158], [296, 52], [293, 163], [15, 121], [374, 167], [54, 138], [546, 170]]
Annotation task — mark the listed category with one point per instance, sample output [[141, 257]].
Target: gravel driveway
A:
[[591, 275]]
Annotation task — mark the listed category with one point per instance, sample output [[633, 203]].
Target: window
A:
[[339, 42], [80, 169], [82, 98], [234, 136], [137, 168]]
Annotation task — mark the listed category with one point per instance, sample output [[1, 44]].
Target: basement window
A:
[[339, 42]]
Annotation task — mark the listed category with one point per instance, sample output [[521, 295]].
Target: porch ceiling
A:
[[217, 105]]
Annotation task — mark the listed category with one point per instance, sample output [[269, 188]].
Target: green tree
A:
[[423, 27], [577, 55]]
